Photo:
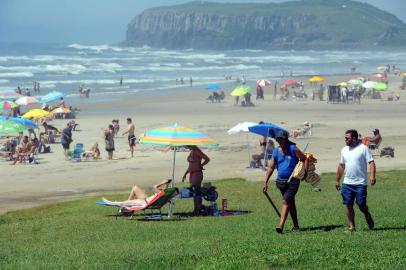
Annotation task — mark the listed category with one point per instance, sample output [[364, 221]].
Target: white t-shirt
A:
[[356, 160]]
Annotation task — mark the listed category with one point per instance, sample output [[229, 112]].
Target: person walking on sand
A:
[[131, 135], [353, 164], [195, 171], [66, 140], [284, 159], [109, 141]]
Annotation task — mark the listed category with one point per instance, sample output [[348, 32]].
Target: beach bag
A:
[[387, 152], [299, 172]]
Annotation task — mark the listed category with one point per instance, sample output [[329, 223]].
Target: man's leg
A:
[[284, 215], [361, 199], [349, 211], [293, 213]]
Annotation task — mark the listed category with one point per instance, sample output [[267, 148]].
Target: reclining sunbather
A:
[[139, 197]]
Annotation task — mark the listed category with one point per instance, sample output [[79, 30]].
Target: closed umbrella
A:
[[240, 91], [52, 96], [176, 136]]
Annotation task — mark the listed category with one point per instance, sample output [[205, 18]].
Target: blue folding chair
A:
[[77, 152]]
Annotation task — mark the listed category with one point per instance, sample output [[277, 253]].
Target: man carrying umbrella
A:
[[284, 159]]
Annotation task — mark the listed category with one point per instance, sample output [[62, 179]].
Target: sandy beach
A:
[[55, 179]]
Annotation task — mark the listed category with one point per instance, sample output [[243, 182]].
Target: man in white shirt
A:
[[353, 162]]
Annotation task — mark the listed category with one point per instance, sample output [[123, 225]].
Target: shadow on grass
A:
[[390, 229], [325, 228]]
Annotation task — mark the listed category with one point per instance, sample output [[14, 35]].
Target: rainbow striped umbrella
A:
[[176, 136]]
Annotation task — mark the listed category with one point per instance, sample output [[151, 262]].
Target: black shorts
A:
[[110, 149], [131, 140], [288, 190], [65, 145]]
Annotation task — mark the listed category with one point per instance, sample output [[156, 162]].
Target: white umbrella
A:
[[27, 101], [369, 84], [242, 127]]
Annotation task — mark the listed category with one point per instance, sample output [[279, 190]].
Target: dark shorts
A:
[[131, 140], [65, 145], [354, 192], [110, 149], [288, 190]]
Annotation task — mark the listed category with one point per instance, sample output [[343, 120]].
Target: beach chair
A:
[[77, 152], [160, 200]]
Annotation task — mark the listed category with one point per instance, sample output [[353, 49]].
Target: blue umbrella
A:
[[266, 130], [52, 96], [25, 122], [212, 87]]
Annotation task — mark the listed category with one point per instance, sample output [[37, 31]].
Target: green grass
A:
[[81, 235]]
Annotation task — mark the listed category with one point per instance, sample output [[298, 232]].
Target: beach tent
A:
[[52, 96], [8, 128], [316, 79], [242, 127], [27, 101], [240, 91], [36, 113], [176, 136]]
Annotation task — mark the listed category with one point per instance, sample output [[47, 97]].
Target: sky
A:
[[96, 21]]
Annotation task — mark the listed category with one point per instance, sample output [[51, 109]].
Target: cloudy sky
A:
[[96, 21]]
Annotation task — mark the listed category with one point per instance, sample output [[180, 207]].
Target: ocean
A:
[[149, 70]]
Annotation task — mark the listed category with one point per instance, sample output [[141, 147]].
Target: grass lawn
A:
[[82, 235]]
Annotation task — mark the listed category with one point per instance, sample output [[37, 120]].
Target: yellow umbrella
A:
[[342, 84], [36, 113], [240, 91], [381, 68], [316, 79], [404, 74]]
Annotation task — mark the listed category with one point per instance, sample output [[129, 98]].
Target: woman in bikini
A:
[[139, 197], [195, 171]]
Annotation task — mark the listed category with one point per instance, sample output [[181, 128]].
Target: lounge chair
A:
[[77, 152], [160, 200]]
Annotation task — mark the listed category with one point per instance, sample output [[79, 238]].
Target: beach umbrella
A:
[[52, 96], [7, 105], [403, 74], [316, 79], [380, 86], [25, 122], [212, 87], [355, 82], [27, 101], [368, 84], [176, 136], [264, 83], [266, 130], [342, 84], [10, 128], [8, 95], [36, 113], [240, 91], [60, 110], [242, 127], [381, 68], [289, 83]]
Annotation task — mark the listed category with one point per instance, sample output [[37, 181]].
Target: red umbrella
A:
[[264, 83], [289, 83]]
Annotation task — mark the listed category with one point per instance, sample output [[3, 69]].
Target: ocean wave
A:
[[74, 69], [101, 81], [16, 75], [4, 81], [13, 58]]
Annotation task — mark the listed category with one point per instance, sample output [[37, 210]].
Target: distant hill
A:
[[306, 24]]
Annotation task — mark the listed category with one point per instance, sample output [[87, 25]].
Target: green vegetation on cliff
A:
[[307, 24]]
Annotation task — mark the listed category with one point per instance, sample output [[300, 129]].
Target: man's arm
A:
[[268, 174], [339, 174], [372, 171]]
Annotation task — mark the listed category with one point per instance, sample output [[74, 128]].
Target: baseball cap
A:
[[282, 134]]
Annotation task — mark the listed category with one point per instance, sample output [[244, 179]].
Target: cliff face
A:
[[309, 24]]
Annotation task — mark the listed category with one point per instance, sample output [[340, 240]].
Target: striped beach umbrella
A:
[[8, 95], [7, 105], [176, 136], [27, 101]]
